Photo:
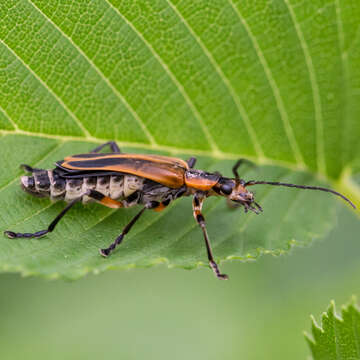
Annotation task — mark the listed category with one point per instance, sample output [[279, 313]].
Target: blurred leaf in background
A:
[[338, 337]]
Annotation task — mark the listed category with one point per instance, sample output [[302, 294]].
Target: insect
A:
[[119, 180]]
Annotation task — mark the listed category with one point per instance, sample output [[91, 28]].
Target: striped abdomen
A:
[[48, 183]]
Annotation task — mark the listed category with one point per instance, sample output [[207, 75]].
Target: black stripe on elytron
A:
[[93, 155], [89, 173], [99, 163]]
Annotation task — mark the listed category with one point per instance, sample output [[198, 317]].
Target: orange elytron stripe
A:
[[164, 170], [153, 158]]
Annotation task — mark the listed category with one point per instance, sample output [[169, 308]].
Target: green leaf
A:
[[276, 82], [338, 337]]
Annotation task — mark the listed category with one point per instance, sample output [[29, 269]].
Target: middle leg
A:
[[197, 206], [106, 252]]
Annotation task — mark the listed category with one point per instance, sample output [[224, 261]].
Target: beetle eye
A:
[[226, 189]]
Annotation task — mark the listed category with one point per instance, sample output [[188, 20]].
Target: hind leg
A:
[[96, 195]]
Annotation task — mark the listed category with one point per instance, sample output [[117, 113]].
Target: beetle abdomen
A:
[[48, 183], [115, 186], [38, 184]]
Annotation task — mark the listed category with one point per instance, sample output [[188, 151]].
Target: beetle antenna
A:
[[252, 182]]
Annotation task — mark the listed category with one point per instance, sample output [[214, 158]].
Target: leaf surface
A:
[[277, 82], [338, 337]]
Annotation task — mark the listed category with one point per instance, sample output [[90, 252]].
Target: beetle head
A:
[[235, 191]]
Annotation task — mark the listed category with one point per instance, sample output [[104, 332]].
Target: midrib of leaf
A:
[[344, 184], [172, 150]]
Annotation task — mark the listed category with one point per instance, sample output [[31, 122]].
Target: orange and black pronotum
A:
[[120, 180]]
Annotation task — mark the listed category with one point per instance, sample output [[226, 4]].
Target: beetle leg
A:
[[106, 252], [191, 162], [112, 144], [104, 200], [238, 164], [197, 205], [161, 205], [51, 227]]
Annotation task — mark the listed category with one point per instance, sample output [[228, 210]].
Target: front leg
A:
[[197, 206]]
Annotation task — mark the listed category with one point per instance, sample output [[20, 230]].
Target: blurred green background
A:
[[161, 313]]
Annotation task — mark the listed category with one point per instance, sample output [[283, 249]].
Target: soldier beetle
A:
[[119, 180]]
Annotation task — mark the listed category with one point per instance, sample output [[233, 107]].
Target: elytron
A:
[[119, 180]]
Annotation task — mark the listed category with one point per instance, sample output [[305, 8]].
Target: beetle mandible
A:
[[119, 180]]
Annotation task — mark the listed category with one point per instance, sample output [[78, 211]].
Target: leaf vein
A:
[[274, 87], [12, 122], [55, 96], [345, 71], [171, 150], [102, 76], [169, 72], [225, 80]]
